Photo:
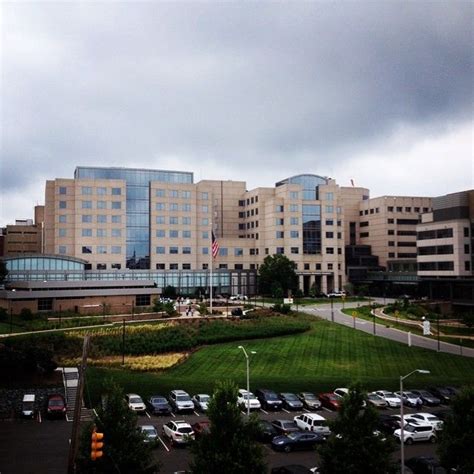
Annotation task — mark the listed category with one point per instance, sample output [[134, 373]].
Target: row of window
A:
[[174, 220], [89, 218], [376, 210], [89, 249], [90, 232], [174, 193], [99, 204], [89, 190], [174, 206], [251, 200], [440, 234]]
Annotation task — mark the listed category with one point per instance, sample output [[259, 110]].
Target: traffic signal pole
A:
[[77, 410]]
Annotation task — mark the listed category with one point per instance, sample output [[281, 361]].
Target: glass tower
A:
[[138, 204]]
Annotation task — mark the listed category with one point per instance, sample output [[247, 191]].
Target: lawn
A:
[[327, 356]]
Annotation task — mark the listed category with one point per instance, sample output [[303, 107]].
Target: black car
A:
[[442, 393], [269, 399], [298, 440], [443, 414], [388, 424], [285, 426], [266, 431], [453, 391], [291, 401], [158, 405], [425, 465], [426, 397]]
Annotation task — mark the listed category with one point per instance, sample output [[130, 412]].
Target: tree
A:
[[230, 445], [3, 271], [124, 448], [457, 437], [355, 446], [277, 273]]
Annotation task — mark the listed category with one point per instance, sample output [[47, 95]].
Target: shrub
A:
[[157, 306], [26, 314], [3, 314]]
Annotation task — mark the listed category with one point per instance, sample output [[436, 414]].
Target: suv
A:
[[269, 399], [416, 432], [247, 399], [336, 294], [135, 402], [178, 432], [56, 406], [181, 401], [312, 422]]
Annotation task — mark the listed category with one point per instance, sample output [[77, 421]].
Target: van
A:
[[312, 422], [28, 406]]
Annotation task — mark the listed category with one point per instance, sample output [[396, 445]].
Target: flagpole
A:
[[210, 267]]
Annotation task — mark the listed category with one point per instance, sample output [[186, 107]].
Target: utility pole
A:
[[77, 409]]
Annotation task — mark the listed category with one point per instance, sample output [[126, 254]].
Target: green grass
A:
[[327, 356]]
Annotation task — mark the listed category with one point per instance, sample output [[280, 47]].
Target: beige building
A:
[[388, 225]]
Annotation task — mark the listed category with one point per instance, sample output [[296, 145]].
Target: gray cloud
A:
[[280, 84]]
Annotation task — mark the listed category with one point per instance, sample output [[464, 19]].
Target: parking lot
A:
[[41, 445]]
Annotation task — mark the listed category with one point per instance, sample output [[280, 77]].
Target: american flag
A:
[[214, 246]]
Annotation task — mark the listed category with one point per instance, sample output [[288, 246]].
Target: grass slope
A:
[[327, 356]]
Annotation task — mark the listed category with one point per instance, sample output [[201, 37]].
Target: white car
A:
[[312, 422], [336, 294], [392, 400], [410, 399], [429, 419], [135, 402], [239, 297], [201, 401], [342, 392], [247, 399], [416, 432], [178, 432]]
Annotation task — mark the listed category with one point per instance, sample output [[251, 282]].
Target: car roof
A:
[[148, 427], [179, 392], [314, 416], [28, 398], [133, 395]]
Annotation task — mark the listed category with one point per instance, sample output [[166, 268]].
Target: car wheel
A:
[[433, 439], [409, 441], [287, 449]]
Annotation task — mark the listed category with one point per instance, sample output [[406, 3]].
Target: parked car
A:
[[312, 422], [425, 465], [409, 399], [56, 406], [393, 401], [239, 298], [150, 433], [330, 400], [178, 432], [376, 401], [453, 390], [266, 431], [336, 294], [416, 432], [201, 427], [158, 405], [247, 399], [135, 402], [201, 401], [388, 424], [442, 393], [429, 419], [269, 399], [310, 400], [285, 426], [291, 401], [28, 407], [291, 469], [298, 440], [426, 397], [180, 401], [342, 392]]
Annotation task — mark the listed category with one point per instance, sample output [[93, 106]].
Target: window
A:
[[174, 234], [142, 300], [173, 266], [241, 215], [160, 219], [116, 205], [186, 207], [101, 232], [205, 221], [241, 202], [466, 231], [116, 191], [279, 208], [467, 266], [364, 224], [391, 232], [391, 221], [173, 193], [101, 204], [116, 249], [318, 266], [223, 252], [160, 193], [101, 249], [330, 250], [116, 219], [186, 220], [160, 250], [306, 266], [371, 211], [205, 266], [223, 265], [116, 232], [62, 249], [62, 233], [407, 209], [238, 252], [329, 209], [364, 235], [186, 234], [86, 190], [279, 221], [390, 208], [116, 266], [205, 209], [160, 206], [330, 266], [204, 196], [329, 235], [205, 234], [238, 266], [62, 205], [173, 206], [86, 204], [417, 209], [205, 250], [173, 250], [101, 219], [160, 266], [467, 249], [45, 304], [86, 232], [86, 218], [160, 233], [62, 190], [186, 266], [294, 220], [391, 254], [280, 250], [252, 252], [86, 249], [294, 195], [329, 196], [294, 234], [173, 220], [101, 191], [391, 243], [279, 234], [399, 209], [426, 209], [329, 222], [186, 250], [186, 194], [62, 219], [294, 250]]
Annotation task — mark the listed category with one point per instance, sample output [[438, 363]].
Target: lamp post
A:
[[332, 309], [402, 421], [248, 375]]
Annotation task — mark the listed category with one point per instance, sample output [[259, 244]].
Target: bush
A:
[[3, 314], [281, 308], [157, 306], [26, 314]]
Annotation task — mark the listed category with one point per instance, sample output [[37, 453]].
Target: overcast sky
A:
[[378, 92]]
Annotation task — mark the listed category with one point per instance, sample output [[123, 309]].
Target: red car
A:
[[201, 427], [56, 406], [330, 401]]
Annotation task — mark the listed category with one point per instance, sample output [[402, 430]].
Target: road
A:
[[324, 311], [28, 446]]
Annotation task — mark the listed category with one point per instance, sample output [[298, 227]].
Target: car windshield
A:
[[271, 396], [28, 405], [204, 398], [432, 418], [290, 396], [185, 430], [373, 396], [248, 396], [293, 436], [425, 394], [410, 428], [56, 403], [159, 400], [149, 431], [409, 395], [390, 395], [183, 398], [333, 396], [309, 396], [287, 424], [135, 400]]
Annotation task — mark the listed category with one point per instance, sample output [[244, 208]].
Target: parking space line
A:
[[306, 410], [163, 443], [243, 412], [196, 413], [39, 417], [327, 409], [266, 412], [147, 414], [173, 415], [285, 410]]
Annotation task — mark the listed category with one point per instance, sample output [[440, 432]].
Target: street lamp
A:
[[402, 421], [248, 376]]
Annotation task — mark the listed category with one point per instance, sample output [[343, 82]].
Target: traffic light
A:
[[97, 445]]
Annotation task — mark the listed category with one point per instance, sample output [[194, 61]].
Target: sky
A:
[[377, 92]]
